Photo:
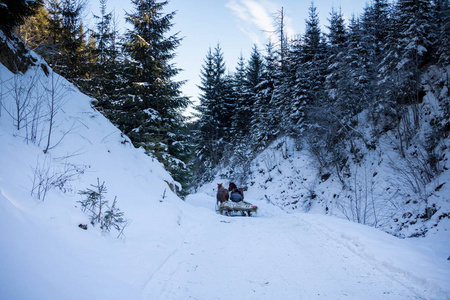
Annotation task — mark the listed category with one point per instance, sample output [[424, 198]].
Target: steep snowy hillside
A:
[[400, 187], [378, 190], [169, 249], [43, 252]]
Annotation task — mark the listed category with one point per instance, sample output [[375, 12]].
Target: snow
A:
[[174, 249], [289, 257]]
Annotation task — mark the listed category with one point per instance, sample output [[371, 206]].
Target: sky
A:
[[236, 25]]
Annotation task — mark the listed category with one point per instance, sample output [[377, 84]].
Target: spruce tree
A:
[[371, 33], [313, 57], [149, 107], [14, 12], [56, 32], [285, 95], [105, 69], [69, 39], [415, 43], [246, 81], [441, 22], [409, 50], [34, 32], [264, 124], [255, 68], [215, 110], [354, 93], [241, 108], [337, 41], [310, 63]]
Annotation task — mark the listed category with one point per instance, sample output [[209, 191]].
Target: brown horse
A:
[[222, 194]]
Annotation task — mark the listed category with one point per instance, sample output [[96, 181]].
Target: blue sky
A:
[[236, 24]]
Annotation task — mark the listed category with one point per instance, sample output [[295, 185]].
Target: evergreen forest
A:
[[320, 88]]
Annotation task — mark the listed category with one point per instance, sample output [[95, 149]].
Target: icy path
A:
[[284, 257]]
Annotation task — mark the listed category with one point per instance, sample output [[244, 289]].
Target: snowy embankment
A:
[[170, 249], [43, 252]]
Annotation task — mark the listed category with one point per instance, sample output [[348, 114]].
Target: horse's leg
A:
[[217, 206]]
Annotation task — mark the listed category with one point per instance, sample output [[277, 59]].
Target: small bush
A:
[[99, 211]]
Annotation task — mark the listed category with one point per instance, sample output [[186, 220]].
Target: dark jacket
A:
[[236, 196]]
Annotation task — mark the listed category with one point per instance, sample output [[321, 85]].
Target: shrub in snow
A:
[[99, 211], [113, 217], [47, 176]]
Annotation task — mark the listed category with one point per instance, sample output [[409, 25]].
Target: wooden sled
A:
[[244, 208]]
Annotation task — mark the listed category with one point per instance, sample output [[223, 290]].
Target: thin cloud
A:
[[259, 15], [254, 37], [238, 9], [257, 18]]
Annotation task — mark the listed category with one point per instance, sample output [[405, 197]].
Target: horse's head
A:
[[232, 186]]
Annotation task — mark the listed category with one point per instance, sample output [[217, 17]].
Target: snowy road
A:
[[285, 257]]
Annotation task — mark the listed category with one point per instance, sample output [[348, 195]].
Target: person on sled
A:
[[236, 195]]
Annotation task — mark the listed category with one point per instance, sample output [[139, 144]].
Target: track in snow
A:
[[284, 257]]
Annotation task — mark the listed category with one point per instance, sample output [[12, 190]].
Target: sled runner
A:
[[244, 207]]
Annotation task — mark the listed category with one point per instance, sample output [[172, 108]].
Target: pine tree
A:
[[66, 50], [372, 38], [105, 67], [148, 108], [241, 108], [254, 69], [337, 41], [441, 22], [263, 123], [215, 110], [310, 62], [14, 12], [410, 49], [34, 32], [246, 80]]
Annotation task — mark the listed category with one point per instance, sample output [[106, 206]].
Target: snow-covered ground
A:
[[295, 256], [173, 249]]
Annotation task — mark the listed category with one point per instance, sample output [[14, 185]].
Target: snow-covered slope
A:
[[43, 252], [400, 187], [376, 194], [170, 249]]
